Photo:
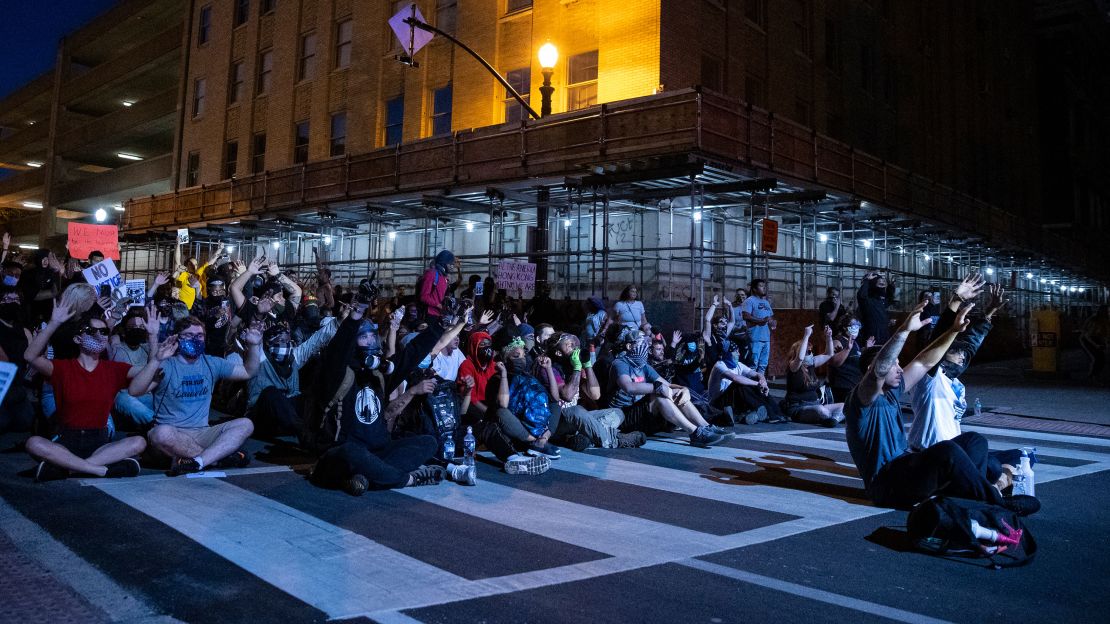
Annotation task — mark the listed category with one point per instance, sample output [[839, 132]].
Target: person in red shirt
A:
[[476, 371], [85, 389]]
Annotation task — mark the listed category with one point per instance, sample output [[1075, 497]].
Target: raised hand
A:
[[501, 368], [163, 277], [486, 318], [914, 321], [167, 349], [251, 336], [970, 287], [828, 332], [716, 300], [998, 300], [676, 337], [273, 269], [544, 362], [807, 332], [870, 341], [61, 313], [256, 264], [962, 322], [105, 303]]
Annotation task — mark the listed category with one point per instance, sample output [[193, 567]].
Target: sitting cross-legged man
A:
[[741, 392], [183, 397], [84, 388]]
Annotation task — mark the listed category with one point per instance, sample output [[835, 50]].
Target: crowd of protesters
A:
[[381, 390]]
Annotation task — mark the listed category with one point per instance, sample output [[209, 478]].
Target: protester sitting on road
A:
[[741, 392], [524, 410], [830, 311], [844, 370], [648, 401], [803, 400], [183, 395], [133, 349], [84, 389]]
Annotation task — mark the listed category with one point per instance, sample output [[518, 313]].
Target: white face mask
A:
[[853, 331]]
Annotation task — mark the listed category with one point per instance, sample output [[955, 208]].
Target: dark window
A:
[[521, 80], [204, 25], [242, 11], [343, 32], [441, 111], [300, 142], [446, 13], [265, 70], [338, 134], [756, 12], [755, 91], [582, 80], [711, 73], [832, 45], [803, 112], [395, 8], [192, 169], [200, 87], [306, 69], [517, 5], [231, 159], [235, 82], [266, 6], [804, 35], [394, 120], [258, 153]]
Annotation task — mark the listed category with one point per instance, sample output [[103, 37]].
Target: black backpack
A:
[[941, 525]]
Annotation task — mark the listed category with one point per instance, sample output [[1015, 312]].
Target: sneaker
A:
[[633, 439], [356, 485], [49, 472], [828, 422], [755, 416], [123, 468], [463, 475], [577, 442], [238, 459], [724, 433], [1021, 504], [527, 465], [777, 419], [183, 466], [548, 450], [426, 475], [703, 437]]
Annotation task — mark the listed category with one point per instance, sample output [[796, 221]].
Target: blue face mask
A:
[[191, 348], [11, 280], [691, 346], [426, 362]]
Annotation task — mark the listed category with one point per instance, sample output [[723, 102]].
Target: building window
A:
[[242, 11], [192, 169], [446, 12], [343, 32], [395, 8], [803, 33], [258, 153], [231, 159], [755, 11], [834, 126], [755, 91], [265, 70], [200, 87], [832, 46], [306, 69], [521, 80], [300, 142], [394, 120], [712, 73], [338, 134], [266, 7], [803, 112], [204, 25], [582, 80], [440, 120], [517, 5], [235, 82]]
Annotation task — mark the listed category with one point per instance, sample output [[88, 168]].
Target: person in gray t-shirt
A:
[[183, 396]]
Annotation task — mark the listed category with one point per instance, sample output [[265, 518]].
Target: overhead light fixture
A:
[[29, 247], [867, 243], [831, 259], [34, 163], [1082, 290], [990, 271], [824, 238], [1054, 282], [697, 216], [393, 236], [101, 215], [117, 207], [1043, 280], [127, 103], [229, 248], [469, 226], [1073, 289], [926, 256], [30, 122], [1030, 276], [276, 244], [31, 204], [327, 239], [126, 156], [1063, 289], [566, 223]]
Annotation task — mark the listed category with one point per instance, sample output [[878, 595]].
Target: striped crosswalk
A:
[[794, 479]]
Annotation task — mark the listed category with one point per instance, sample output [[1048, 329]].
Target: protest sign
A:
[[85, 238], [516, 277], [136, 290], [103, 273], [182, 236]]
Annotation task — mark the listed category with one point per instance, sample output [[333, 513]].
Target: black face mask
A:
[[517, 366], [9, 311], [485, 354], [134, 336], [951, 369]]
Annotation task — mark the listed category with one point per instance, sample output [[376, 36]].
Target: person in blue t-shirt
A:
[[759, 317]]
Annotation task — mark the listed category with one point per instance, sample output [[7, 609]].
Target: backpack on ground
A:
[[943, 526]]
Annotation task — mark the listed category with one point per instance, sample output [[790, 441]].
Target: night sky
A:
[[30, 33]]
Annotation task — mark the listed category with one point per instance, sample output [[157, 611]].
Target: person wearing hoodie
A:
[[874, 297], [433, 285]]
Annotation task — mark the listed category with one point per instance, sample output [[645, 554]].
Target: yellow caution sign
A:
[[1045, 327]]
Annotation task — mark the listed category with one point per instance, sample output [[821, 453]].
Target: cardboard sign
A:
[[409, 34], [136, 290], [182, 236], [85, 238], [516, 277], [770, 242], [103, 273]]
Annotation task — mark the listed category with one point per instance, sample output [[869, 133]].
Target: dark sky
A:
[[29, 34]]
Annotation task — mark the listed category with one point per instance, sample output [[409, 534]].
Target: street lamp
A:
[[548, 56]]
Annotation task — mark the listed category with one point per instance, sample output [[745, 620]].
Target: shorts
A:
[[83, 442], [205, 436], [639, 417]]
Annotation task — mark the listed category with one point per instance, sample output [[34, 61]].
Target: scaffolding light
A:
[[1073, 289], [229, 248], [697, 216], [1082, 290], [949, 259], [31, 204], [276, 244], [831, 260], [867, 243], [100, 215], [28, 247], [926, 256], [1054, 282], [1030, 276], [34, 163], [126, 156], [128, 103], [824, 238], [470, 226], [1063, 289], [990, 271], [1043, 280], [566, 223], [393, 236], [117, 207], [327, 239]]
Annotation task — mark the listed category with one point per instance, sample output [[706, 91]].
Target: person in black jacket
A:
[[874, 297]]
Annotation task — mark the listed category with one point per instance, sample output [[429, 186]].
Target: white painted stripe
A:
[[1039, 435], [237, 472], [678, 446], [805, 591]]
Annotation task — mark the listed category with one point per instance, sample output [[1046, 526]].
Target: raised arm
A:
[[871, 386], [830, 348], [252, 340], [35, 350], [707, 326], [239, 283], [287, 283], [796, 363], [933, 353]]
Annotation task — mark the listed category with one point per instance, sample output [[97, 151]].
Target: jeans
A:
[[761, 353], [514, 428], [278, 414], [136, 412], [599, 425], [955, 467], [385, 468], [744, 399]]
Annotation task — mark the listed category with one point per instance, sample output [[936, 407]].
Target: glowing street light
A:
[[824, 238], [100, 215], [867, 243], [470, 226], [393, 236], [549, 55], [327, 239]]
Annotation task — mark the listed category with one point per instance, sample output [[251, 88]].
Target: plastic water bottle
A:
[[1023, 480], [448, 447], [469, 444], [978, 407]]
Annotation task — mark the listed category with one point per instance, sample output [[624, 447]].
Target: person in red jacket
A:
[[434, 283], [477, 369]]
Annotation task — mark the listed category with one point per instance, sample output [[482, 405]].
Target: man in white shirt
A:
[[741, 392], [447, 362]]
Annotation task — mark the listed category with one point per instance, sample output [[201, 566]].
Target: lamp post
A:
[[548, 56]]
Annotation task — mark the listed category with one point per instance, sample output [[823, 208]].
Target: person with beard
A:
[[741, 392], [661, 357], [844, 370], [803, 403], [874, 297], [85, 388], [433, 285], [17, 409], [134, 350], [183, 398], [648, 401], [939, 400], [274, 400]]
